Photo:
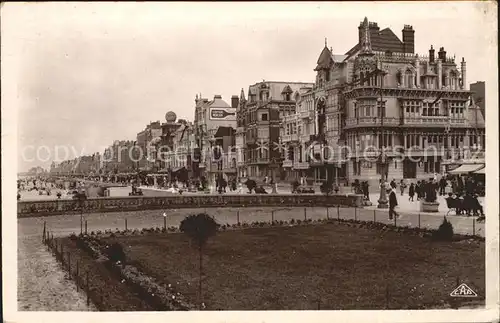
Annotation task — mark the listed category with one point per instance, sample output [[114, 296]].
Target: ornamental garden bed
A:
[[331, 265]]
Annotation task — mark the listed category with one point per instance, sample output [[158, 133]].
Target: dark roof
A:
[[381, 41]]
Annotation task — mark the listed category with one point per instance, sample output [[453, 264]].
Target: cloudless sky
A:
[[86, 74]]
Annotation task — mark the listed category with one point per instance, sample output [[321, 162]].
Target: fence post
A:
[[87, 288], [238, 216], [419, 220], [355, 213], [272, 216], [305, 214], [69, 264], [386, 296], [374, 215], [165, 223], [77, 276], [126, 225], [44, 231], [395, 220], [327, 213], [338, 212], [473, 226], [85, 227], [62, 254]]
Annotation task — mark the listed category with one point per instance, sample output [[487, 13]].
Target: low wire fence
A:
[[171, 218]]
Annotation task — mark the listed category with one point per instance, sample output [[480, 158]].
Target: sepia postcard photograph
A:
[[250, 162]]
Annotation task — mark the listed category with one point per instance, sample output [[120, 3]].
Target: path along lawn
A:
[[332, 266]]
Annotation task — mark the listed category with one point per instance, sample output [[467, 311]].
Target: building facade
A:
[[414, 107], [146, 141], [120, 157], [258, 127], [209, 116]]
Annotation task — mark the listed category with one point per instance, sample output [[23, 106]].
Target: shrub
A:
[[115, 252], [299, 222], [444, 232], [292, 221]]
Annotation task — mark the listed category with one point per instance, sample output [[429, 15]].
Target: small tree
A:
[[444, 232], [199, 227]]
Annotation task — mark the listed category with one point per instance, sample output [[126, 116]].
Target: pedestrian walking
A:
[[411, 192], [393, 202], [393, 184], [418, 190], [402, 186], [442, 186]]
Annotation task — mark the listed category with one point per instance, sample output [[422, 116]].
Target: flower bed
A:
[[346, 266], [152, 295]]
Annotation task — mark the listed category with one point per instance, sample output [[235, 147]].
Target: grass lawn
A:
[[330, 266]]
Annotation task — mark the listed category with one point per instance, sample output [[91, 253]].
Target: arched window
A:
[[398, 77], [409, 78]]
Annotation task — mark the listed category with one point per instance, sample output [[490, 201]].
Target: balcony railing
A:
[[308, 114], [301, 165], [427, 120], [288, 138], [287, 163], [372, 121]]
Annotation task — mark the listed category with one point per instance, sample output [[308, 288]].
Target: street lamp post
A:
[[382, 201]]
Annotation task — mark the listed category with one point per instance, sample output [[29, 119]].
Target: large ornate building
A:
[[381, 95]]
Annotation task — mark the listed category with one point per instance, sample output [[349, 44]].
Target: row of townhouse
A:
[[380, 96]]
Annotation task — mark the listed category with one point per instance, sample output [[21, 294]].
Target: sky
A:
[[82, 75]]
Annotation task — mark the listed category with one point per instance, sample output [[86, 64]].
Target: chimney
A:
[[442, 54], [217, 96], [235, 102], [431, 54], [408, 39]]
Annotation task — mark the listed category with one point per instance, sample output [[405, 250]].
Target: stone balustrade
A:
[[139, 203]]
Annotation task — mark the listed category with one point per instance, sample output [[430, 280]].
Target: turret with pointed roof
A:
[[366, 44]]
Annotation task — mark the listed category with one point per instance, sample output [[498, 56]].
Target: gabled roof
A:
[[475, 117], [327, 58], [324, 60], [287, 89]]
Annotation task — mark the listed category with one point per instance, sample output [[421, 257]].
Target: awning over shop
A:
[[467, 168], [175, 170], [481, 171]]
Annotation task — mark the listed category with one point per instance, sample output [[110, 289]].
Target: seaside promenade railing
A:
[[134, 203]]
